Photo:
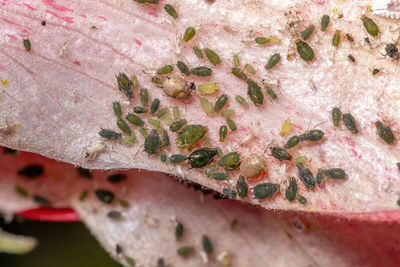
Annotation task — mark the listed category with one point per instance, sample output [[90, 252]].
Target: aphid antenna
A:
[[319, 124]]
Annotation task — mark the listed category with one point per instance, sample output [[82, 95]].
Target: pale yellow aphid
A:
[[286, 128]]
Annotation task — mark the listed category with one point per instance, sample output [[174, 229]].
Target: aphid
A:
[[305, 175], [197, 51], [312, 135], [166, 141], [336, 38], [273, 61], [206, 106], [250, 69], [144, 97], [210, 170], [109, 134], [176, 87], [264, 190], [319, 176], [117, 109], [176, 126], [155, 2], [336, 116], [208, 88], [233, 224], [334, 173], [231, 124], [165, 70], [286, 128], [227, 113], [177, 158], [171, 11], [241, 101], [242, 187], [212, 56], [175, 111], [271, 92], [231, 161], [160, 262], [253, 166], [152, 143], [304, 50], [135, 82], [140, 110], [223, 131], [375, 71], [27, 45], [113, 214], [349, 37], [185, 251], [292, 142], [134, 119], [370, 26], [125, 85], [254, 92], [367, 41], [118, 249], [229, 193], [207, 246], [179, 231], [123, 126], [128, 141], [307, 32], [201, 157], [31, 171], [163, 157], [291, 190], [262, 40], [183, 68], [10, 151], [156, 80], [40, 200], [105, 196], [301, 159], [201, 71], [220, 176], [154, 105], [190, 32], [116, 178], [123, 203], [190, 135], [350, 123], [155, 123], [144, 132], [85, 173], [236, 61], [384, 132], [280, 154], [302, 200], [220, 102], [239, 74], [83, 195], [128, 259], [392, 51], [324, 22]]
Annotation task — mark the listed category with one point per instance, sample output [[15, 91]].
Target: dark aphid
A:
[[350, 123], [177, 158], [185, 251], [229, 193], [273, 60], [154, 2], [307, 32], [384, 132], [197, 51], [280, 153], [271, 92], [242, 187], [123, 126], [84, 172], [210, 170], [336, 38], [179, 231], [117, 109], [220, 103], [254, 92], [312, 135], [207, 246], [144, 97], [324, 22], [190, 135], [171, 11], [370, 26], [223, 131], [349, 37], [125, 85], [302, 200], [291, 191], [160, 262], [152, 143], [40, 200], [140, 110], [27, 45], [10, 151], [375, 71], [163, 157], [190, 32], [105, 196], [336, 116], [43, 23], [113, 214], [201, 157], [109, 134], [83, 195], [334, 173], [262, 40], [231, 124], [241, 101], [116, 178], [118, 249], [233, 224], [392, 51], [165, 70], [134, 119], [201, 71], [367, 41], [212, 56], [176, 126], [265, 190], [239, 74], [231, 161], [220, 176], [154, 105], [31, 171], [183, 68], [292, 142], [319, 176], [305, 175], [304, 50]]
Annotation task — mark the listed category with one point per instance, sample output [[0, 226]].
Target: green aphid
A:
[[27, 45], [220, 103], [190, 32], [22, 192], [239, 74], [223, 131], [219, 152], [220, 176], [165, 70], [304, 50], [176, 126], [175, 111], [212, 56], [201, 157], [305, 176], [117, 109], [183, 68], [210, 170], [336, 116], [319, 176], [241, 101], [292, 142], [83, 195], [154, 105], [336, 38], [135, 82], [280, 154], [231, 124], [264, 190], [350, 122], [334, 173], [307, 32], [123, 126], [384, 132], [291, 190], [144, 97], [134, 119], [109, 134], [207, 245], [152, 143], [227, 113], [179, 231], [190, 135], [233, 224], [156, 80], [128, 259], [144, 132], [140, 110], [160, 262], [185, 251], [370, 26], [262, 40], [273, 61], [129, 140], [162, 112], [105, 196], [254, 92], [113, 214], [302, 200], [155, 123], [201, 71], [206, 106], [324, 22], [171, 11], [124, 203], [236, 61], [166, 141], [312, 135], [125, 85], [230, 161], [271, 92], [177, 158], [197, 51], [242, 187], [154, 2], [163, 157], [250, 69]]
